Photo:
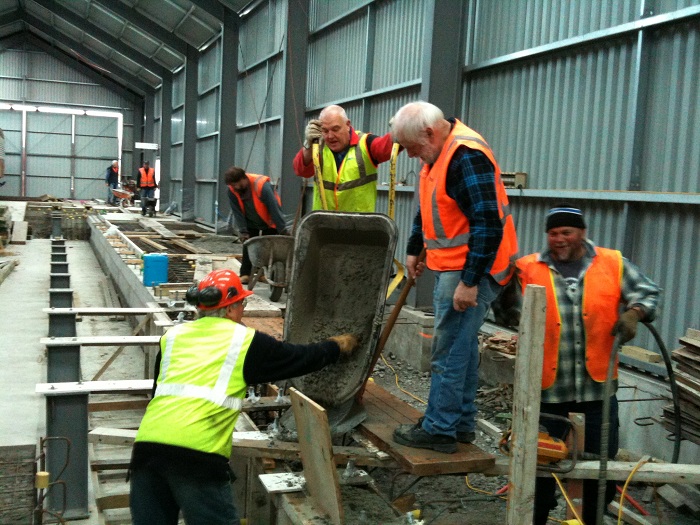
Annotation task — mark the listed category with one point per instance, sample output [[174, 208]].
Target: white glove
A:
[[313, 132]]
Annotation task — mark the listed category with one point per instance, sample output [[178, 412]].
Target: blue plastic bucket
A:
[[155, 269]]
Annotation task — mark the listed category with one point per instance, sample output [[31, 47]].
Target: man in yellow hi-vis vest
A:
[[593, 295], [180, 457], [348, 159]]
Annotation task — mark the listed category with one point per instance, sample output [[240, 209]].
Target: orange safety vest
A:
[[602, 292], [148, 179], [256, 185], [445, 227]]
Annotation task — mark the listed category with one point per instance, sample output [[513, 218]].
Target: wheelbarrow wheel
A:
[[277, 277]]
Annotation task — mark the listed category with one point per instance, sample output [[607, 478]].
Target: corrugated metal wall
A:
[[616, 111], [67, 155]]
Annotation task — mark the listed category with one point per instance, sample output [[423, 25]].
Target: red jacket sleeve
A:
[[380, 148], [299, 168]]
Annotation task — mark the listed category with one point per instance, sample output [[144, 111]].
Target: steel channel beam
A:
[[59, 257], [67, 416], [63, 363], [59, 280], [62, 325], [60, 297], [59, 267]]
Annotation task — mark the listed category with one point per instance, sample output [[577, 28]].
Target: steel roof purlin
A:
[[128, 91], [132, 16], [98, 59], [117, 45]]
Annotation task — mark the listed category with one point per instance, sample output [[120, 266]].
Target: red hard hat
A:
[[218, 289]]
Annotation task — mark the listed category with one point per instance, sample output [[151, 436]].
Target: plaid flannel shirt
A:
[[573, 383]]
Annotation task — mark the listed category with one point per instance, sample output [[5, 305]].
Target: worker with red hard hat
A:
[[182, 448]]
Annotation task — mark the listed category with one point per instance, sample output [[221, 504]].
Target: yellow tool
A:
[[400, 270], [549, 449], [315, 153]]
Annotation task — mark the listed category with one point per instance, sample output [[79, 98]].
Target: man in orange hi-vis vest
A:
[[256, 209], [594, 295], [146, 181], [464, 224]]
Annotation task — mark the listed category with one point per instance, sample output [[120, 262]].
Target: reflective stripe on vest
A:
[[446, 231], [600, 302], [217, 394], [352, 186]]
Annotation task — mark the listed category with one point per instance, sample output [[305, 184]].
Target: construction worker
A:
[[180, 457], [112, 181], [586, 288], [348, 159], [256, 208], [146, 182], [469, 237]]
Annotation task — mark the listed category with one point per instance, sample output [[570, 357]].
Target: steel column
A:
[[67, 416], [63, 363]]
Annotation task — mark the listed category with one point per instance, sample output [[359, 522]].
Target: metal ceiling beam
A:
[[103, 36], [123, 91], [213, 7], [91, 55], [149, 27], [10, 17]]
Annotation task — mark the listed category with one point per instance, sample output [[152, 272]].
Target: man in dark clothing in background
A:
[[112, 181], [256, 209]]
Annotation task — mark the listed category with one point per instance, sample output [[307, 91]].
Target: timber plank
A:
[[19, 232], [101, 340], [316, 451], [385, 412], [187, 246]]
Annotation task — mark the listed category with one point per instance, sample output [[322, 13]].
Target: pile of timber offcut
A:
[[5, 225], [688, 379]]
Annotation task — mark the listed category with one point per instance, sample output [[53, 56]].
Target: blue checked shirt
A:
[[573, 382], [471, 183]]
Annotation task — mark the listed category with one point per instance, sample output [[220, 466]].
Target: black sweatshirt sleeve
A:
[[271, 360]]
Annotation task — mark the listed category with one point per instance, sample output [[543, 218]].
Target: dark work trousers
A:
[[545, 499], [158, 496], [246, 265]]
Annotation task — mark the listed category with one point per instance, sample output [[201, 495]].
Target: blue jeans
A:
[[111, 199], [156, 498], [455, 356], [146, 193]]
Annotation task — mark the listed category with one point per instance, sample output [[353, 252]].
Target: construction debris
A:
[[688, 380]]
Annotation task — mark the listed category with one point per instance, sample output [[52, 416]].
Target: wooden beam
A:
[[527, 390], [127, 404], [187, 246], [316, 456], [131, 386], [102, 340], [619, 471]]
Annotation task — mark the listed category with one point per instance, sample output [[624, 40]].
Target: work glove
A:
[[626, 326], [346, 342], [313, 132]]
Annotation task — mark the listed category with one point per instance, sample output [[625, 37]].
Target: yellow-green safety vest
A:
[[353, 188], [200, 387]]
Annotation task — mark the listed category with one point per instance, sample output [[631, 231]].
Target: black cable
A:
[[674, 391]]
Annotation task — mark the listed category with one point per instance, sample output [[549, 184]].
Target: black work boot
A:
[[466, 437], [415, 436]]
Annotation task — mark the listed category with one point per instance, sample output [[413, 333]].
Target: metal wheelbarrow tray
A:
[[274, 253], [340, 273]]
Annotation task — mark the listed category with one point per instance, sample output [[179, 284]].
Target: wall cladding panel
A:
[[209, 74], [178, 88], [208, 109], [398, 42], [207, 165], [329, 78], [252, 87], [204, 198], [177, 129], [176, 163], [563, 121], [508, 26], [673, 111], [323, 11]]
